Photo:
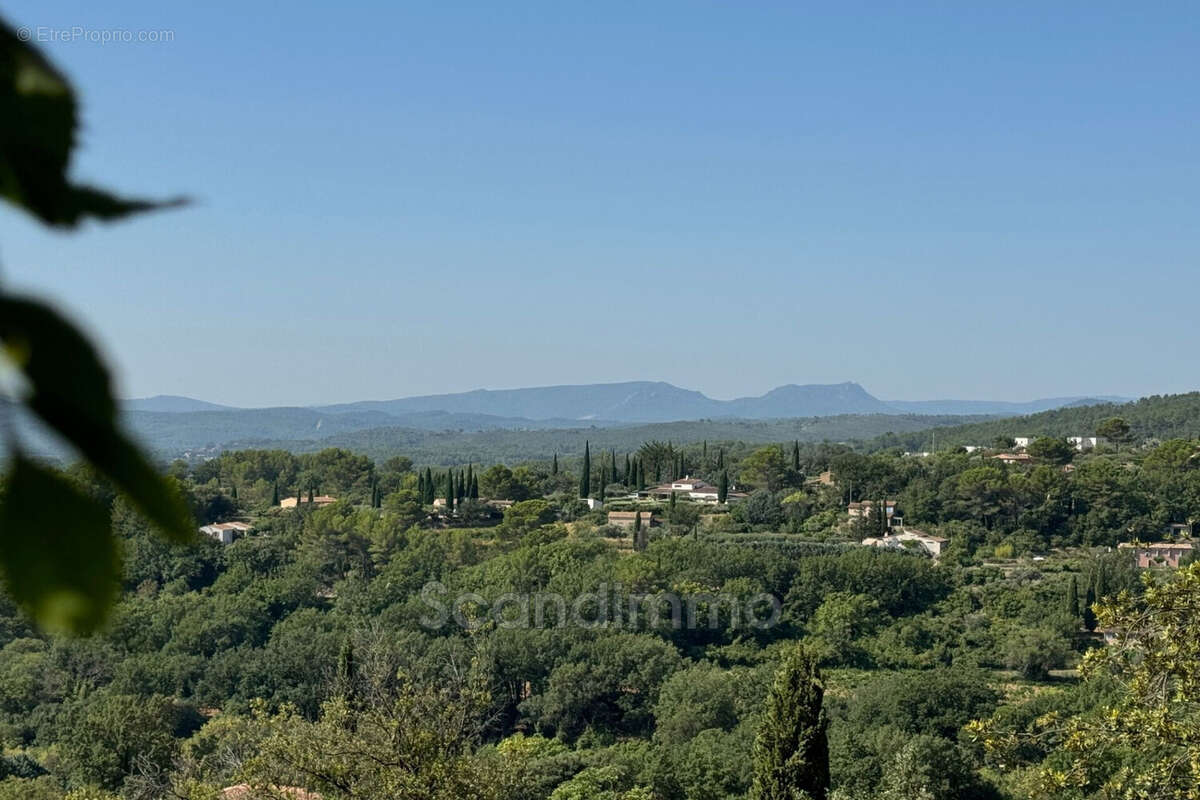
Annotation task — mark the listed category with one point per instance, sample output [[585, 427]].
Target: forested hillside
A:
[[462, 447], [410, 639], [1157, 417]]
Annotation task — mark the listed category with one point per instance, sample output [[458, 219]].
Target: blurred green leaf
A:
[[58, 556], [71, 392], [38, 120]]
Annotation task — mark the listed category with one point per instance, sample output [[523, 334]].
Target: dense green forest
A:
[[384, 646]]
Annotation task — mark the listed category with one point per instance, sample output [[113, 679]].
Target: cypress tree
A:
[[585, 475], [796, 455], [612, 464], [421, 486], [429, 487], [233, 492], [1089, 616], [637, 530], [720, 458], [450, 490], [628, 479], [460, 491], [275, 494], [791, 751], [723, 487], [346, 671], [672, 501], [704, 454], [1073, 598], [554, 465], [310, 494], [474, 487]]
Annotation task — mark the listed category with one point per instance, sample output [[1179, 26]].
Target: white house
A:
[[1082, 443], [1024, 441], [909, 537], [225, 532]]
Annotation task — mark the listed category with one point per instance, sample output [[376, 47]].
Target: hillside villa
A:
[[909, 538], [1158, 554], [226, 532], [689, 488], [318, 501]]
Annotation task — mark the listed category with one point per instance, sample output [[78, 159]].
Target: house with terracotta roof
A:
[[318, 501], [864, 509], [1013, 458], [226, 532], [1158, 554]]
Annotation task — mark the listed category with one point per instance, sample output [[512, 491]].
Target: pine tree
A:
[[585, 474], [275, 494], [1073, 599], [554, 465], [791, 752], [723, 487]]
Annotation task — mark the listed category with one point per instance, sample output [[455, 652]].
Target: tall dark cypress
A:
[[474, 487], [721, 458], [585, 474], [796, 455], [554, 465], [421, 486], [275, 494], [791, 751], [612, 465], [723, 487], [430, 490], [310, 494], [460, 490], [628, 479], [449, 490], [1073, 599]]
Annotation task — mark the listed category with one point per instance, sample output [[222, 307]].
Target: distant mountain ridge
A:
[[637, 402]]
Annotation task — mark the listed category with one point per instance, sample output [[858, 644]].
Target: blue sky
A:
[[933, 199]]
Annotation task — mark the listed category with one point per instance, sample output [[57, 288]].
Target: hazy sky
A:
[[402, 198]]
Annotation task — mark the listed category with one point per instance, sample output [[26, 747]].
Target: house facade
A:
[[226, 532], [1157, 554]]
